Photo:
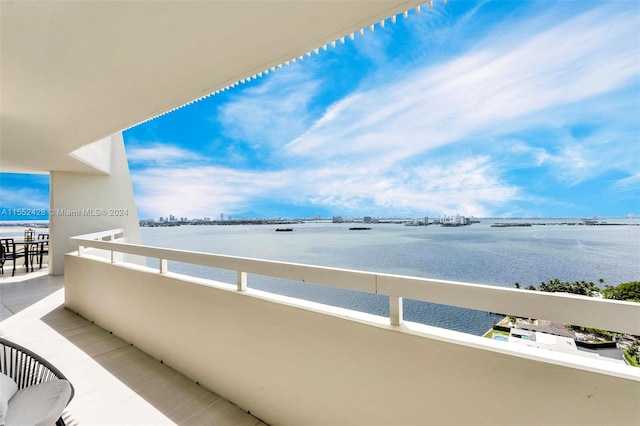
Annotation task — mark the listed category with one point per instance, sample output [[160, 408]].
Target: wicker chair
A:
[[28, 369]]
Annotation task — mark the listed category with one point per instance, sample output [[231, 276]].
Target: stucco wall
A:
[[291, 364], [83, 203]]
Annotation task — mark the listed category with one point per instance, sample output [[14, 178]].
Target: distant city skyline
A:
[[222, 218], [11, 216], [483, 109]]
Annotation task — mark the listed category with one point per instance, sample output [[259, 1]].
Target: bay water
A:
[[478, 253]]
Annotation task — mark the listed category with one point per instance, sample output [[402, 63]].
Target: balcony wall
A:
[[289, 361], [82, 202]]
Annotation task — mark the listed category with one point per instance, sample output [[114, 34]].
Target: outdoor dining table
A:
[[30, 247]]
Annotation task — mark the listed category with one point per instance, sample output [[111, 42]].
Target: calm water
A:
[[476, 254]]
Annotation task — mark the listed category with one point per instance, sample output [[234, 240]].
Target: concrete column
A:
[[81, 203]]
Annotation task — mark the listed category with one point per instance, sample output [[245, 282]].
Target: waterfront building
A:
[[73, 77]]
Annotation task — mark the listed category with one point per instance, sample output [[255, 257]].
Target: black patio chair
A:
[[10, 253], [27, 369], [40, 250]]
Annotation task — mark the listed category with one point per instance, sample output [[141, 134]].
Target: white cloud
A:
[[629, 184], [467, 186], [23, 198], [489, 91], [193, 192], [158, 154], [274, 111], [23, 191], [375, 150]]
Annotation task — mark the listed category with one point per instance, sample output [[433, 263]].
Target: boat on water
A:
[[284, 229]]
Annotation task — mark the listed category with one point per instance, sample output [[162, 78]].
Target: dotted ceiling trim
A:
[[316, 51]]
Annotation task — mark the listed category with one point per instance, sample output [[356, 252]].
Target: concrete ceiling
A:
[[75, 72]]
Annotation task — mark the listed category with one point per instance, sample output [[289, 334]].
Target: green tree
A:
[[577, 287], [633, 354], [625, 291]]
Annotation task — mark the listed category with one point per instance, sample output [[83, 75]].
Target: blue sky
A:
[[524, 109]]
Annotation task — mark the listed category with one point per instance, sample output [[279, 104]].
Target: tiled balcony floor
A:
[[115, 383]]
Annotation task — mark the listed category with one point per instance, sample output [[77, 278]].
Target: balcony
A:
[[290, 361], [115, 382]]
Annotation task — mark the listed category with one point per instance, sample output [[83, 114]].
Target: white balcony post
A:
[[163, 266], [395, 310], [242, 281], [80, 250], [114, 256]]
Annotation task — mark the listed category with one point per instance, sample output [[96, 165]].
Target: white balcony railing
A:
[[290, 361], [613, 315]]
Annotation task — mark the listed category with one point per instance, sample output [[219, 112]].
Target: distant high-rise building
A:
[[221, 217]]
